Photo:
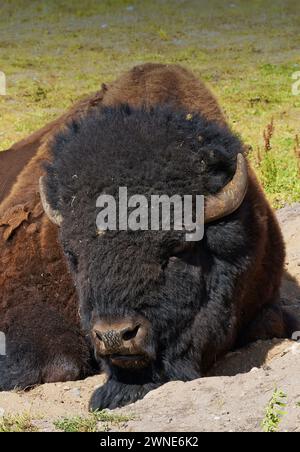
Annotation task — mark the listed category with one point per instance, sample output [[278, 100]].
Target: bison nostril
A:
[[129, 334]]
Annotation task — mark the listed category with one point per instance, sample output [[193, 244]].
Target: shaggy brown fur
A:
[[37, 298]]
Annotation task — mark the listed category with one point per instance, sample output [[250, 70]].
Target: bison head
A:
[[145, 295]]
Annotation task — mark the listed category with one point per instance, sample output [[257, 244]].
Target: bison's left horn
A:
[[229, 199], [52, 214]]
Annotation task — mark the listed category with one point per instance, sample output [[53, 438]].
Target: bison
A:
[[146, 307]]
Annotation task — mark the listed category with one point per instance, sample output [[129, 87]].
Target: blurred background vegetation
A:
[[55, 51]]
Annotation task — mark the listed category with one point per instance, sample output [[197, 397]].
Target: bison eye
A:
[[186, 253], [72, 258], [180, 249], [174, 259]]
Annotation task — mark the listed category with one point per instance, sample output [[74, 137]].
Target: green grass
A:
[[99, 420], [56, 51], [18, 423], [93, 422], [274, 412]]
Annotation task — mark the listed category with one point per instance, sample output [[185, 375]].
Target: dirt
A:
[[234, 398]]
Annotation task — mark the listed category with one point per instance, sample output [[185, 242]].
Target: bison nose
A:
[[113, 339], [124, 336]]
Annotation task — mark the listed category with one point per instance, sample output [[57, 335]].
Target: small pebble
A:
[[296, 348], [75, 392]]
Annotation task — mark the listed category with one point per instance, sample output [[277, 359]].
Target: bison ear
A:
[[53, 215], [230, 198]]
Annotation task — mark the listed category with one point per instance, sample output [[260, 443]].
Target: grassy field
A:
[[54, 51]]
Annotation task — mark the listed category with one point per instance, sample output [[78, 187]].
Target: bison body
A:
[[144, 305]]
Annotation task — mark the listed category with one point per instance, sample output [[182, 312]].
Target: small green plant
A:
[[18, 423], [163, 34], [76, 424], [40, 94], [105, 416], [274, 412], [267, 160], [90, 422]]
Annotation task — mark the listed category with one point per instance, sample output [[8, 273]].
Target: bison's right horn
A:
[[229, 199], [53, 215]]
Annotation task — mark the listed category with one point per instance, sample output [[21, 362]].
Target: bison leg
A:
[[115, 394], [42, 347], [124, 386]]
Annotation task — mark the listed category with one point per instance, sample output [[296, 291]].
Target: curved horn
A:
[[53, 215], [229, 199]]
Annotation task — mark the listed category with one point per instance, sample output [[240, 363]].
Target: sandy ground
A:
[[234, 399]]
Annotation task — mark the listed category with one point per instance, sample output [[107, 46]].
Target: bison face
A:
[[141, 293]]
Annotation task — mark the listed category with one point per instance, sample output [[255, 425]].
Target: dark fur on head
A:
[[193, 299]]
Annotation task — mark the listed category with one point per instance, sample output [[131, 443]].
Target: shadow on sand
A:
[[258, 354]]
